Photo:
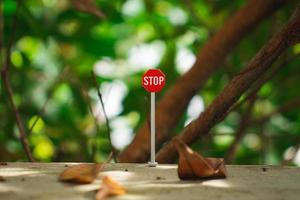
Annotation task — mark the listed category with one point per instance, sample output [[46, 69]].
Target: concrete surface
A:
[[39, 181]]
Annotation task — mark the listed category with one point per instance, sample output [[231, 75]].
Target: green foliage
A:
[[56, 47]]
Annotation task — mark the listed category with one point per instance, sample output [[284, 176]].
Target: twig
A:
[[75, 80], [44, 107], [9, 90], [105, 116], [96, 169], [23, 138], [241, 130], [85, 96], [110, 155], [41, 112]]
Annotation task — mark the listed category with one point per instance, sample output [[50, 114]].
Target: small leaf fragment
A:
[[192, 165], [109, 187], [3, 163], [82, 173], [2, 179], [88, 6]]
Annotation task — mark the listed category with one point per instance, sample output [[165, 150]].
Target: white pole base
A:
[[152, 164]]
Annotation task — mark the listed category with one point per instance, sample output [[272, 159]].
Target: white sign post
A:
[[152, 162]]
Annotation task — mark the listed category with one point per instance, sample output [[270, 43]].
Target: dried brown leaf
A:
[[2, 179], [3, 163], [109, 187], [82, 173], [88, 6], [192, 165]]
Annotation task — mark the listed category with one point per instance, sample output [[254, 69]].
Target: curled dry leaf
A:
[[192, 165], [82, 173], [88, 6], [109, 187]]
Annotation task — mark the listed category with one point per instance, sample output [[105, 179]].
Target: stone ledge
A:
[[39, 181]]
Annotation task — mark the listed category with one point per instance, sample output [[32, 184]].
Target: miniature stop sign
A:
[[154, 80]]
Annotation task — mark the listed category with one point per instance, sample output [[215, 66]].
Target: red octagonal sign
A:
[[154, 80]]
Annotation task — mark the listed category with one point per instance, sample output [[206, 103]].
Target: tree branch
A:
[[259, 83], [209, 59], [261, 63], [86, 98], [114, 152], [286, 107], [23, 138], [9, 90], [251, 97]]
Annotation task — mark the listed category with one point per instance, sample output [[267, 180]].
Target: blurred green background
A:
[[56, 47]]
